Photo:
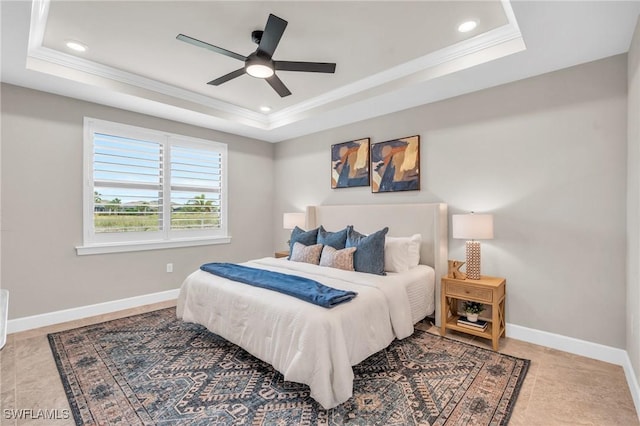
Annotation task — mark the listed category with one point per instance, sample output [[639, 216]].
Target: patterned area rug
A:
[[155, 369]]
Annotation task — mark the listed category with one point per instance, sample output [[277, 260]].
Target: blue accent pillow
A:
[[307, 238], [337, 240], [369, 256]]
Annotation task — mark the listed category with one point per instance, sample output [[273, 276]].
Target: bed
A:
[[318, 346]]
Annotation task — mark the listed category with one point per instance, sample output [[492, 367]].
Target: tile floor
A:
[[560, 388]]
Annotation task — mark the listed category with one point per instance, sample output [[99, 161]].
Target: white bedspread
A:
[[306, 343]]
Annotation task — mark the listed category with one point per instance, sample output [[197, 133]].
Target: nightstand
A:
[[279, 254], [488, 291]]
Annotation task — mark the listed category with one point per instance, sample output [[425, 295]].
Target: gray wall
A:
[[42, 208], [546, 155], [633, 204]]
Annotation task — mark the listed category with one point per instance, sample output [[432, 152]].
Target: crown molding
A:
[[92, 68]]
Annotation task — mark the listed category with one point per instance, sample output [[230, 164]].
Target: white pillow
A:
[[401, 253]]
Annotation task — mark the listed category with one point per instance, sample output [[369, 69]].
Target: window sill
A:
[[148, 245]]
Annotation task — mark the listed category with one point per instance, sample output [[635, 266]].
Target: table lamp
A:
[[291, 220], [472, 227]]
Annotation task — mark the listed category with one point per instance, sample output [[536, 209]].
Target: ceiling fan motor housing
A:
[[256, 36]]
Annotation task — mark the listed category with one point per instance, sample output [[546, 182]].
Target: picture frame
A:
[[350, 164], [395, 165]]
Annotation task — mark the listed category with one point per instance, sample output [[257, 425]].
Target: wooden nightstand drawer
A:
[[463, 291]]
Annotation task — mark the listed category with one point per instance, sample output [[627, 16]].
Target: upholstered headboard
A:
[[403, 220]]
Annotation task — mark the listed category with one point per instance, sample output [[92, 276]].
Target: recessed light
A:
[[265, 108], [467, 26], [77, 46]]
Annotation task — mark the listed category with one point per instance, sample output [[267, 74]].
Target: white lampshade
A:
[[472, 226], [291, 220]]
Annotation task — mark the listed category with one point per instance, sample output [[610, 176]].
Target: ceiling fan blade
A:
[[278, 86], [218, 81], [211, 47], [272, 34], [306, 66]]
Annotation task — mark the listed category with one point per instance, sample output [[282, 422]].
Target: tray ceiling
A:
[[389, 55]]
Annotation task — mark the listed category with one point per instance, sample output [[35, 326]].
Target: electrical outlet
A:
[[169, 267]]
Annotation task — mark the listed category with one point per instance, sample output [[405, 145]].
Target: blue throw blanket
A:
[[303, 288]]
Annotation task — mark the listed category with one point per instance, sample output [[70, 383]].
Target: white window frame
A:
[[96, 243]]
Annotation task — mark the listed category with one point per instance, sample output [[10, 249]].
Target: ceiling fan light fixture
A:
[[259, 70]]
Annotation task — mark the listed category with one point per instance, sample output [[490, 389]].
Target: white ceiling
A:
[[390, 55]]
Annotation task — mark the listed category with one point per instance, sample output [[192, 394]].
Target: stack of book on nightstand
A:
[[478, 325]]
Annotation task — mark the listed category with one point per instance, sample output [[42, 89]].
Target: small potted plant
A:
[[472, 310]]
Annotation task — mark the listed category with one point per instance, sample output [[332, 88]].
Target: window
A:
[[147, 189]]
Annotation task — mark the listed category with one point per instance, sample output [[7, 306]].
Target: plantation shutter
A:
[[146, 189], [196, 188], [127, 181]]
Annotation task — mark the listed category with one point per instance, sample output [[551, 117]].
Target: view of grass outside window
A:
[[113, 216]]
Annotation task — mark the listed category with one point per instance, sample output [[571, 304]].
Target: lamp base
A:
[[473, 260]]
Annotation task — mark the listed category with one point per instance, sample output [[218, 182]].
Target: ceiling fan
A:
[[260, 64]]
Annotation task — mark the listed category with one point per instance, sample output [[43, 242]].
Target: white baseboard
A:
[[568, 344], [632, 381], [50, 318], [583, 348]]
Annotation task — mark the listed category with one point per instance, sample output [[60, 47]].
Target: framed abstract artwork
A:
[[350, 164], [395, 165]]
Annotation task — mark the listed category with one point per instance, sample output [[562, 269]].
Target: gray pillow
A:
[[339, 259], [369, 256], [337, 240], [306, 254], [307, 238]]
